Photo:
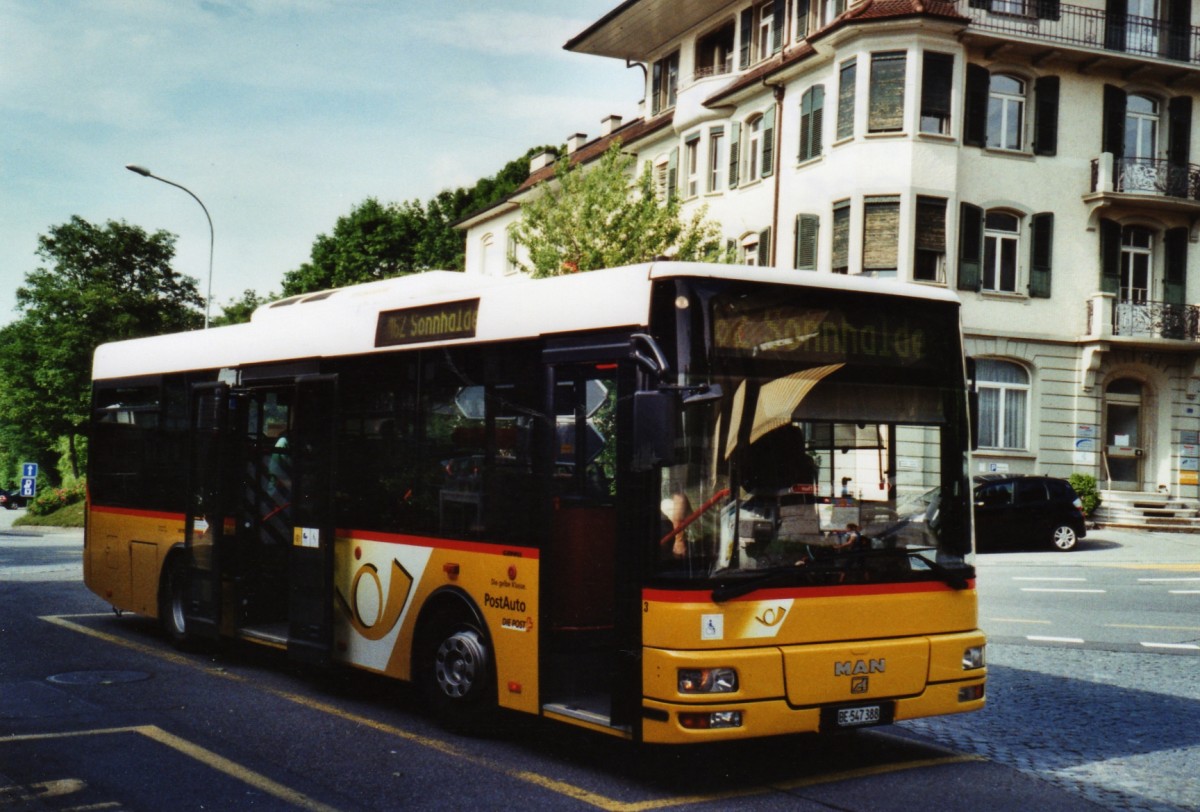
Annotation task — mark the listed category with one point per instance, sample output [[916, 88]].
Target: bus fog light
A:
[[973, 658], [707, 680], [970, 694], [711, 721]]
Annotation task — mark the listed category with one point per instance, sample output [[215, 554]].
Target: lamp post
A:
[[146, 173]]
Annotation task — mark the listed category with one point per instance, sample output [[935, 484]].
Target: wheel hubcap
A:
[[1064, 538], [459, 663]]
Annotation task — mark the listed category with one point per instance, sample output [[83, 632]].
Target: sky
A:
[[280, 115]]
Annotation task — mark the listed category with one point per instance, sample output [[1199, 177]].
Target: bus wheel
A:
[[458, 675], [171, 598]]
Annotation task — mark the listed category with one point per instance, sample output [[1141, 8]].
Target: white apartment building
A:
[[1032, 155]]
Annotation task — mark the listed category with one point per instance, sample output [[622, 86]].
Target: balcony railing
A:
[[1147, 176], [1146, 319], [1052, 21]]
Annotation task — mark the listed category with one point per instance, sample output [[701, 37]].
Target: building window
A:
[[1006, 112], [1137, 260], [881, 236], [764, 26], [929, 261], [754, 134], [664, 83], [937, 80], [716, 161], [1003, 404], [714, 52], [691, 165], [847, 77], [887, 92], [1001, 241], [840, 252], [830, 10], [510, 252], [807, 230], [812, 116]]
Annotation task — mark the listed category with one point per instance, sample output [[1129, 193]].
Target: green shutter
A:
[[747, 37], [1175, 289], [976, 106], [778, 25], [1041, 255], [970, 247], [656, 81], [807, 229], [764, 247], [768, 142], [1113, 130], [1110, 256], [673, 173], [1045, 113], [735, 155]]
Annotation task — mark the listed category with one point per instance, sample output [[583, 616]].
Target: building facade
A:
[[1032, 155]]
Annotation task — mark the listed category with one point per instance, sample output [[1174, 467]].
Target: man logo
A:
[[847, 668]]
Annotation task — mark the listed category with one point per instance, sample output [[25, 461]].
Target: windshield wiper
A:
[[955, 579], [735, 589]]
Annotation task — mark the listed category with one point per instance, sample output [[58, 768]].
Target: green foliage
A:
[[101, 283], [1085, 486], [590, 218], [50, 500], [72, 515], [239, 311]]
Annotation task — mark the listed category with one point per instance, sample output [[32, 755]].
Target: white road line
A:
[[1183, 591], [1184, 646], [1167, 580], [1037, 639], [1052, 589], [1047, 578]]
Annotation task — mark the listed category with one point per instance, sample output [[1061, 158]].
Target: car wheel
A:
[[1064, 538]]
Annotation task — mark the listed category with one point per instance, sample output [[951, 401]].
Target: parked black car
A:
[[1027, 510], [12, 499]]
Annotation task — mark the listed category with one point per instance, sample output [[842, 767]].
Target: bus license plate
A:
[[854, 717]]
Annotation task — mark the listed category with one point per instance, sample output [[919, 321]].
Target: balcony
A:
[[1149, 183], [1043, 27], [1142, 322]]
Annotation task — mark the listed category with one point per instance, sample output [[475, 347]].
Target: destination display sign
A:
[[439, 322]]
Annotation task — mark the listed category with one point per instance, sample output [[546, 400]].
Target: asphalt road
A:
[[99, 712]]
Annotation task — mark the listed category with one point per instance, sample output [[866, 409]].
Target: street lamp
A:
[[146, 173]]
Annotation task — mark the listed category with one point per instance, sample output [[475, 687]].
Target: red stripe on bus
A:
[[141, 514], [440, 544], [778, 593]]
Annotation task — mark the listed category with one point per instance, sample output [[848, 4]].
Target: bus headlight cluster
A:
[[973, 658], [708, 680], [711, 721]]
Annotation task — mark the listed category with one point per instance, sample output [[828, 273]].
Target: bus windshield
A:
[[828, 447]]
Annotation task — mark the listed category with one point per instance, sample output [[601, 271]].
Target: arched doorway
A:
[[1124, 434]]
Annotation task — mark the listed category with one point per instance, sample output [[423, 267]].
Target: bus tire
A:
[[457, 672], [172, 597]]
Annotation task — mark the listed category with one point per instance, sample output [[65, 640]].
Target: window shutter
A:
[[807, 228], [937, 81], [672, 173], [1110, 256], [881, 234], [806, 125], [841, 238], [747, 37], [980, 4], [1113, 133], [1180, 131], [845, 112], [970, 247], [735, 156], [1045, 111], [764, 247], [656, 88], [1041, 255], [1115, 12], [1179, 26], [1175, 289], [976, 106], [802, 7], [778, 25], [886, 103], [1047, 9], [768, 142]]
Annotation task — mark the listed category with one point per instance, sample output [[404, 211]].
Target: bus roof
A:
[[344, 321]]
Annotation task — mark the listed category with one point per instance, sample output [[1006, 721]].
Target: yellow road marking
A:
[[196, 752], [560, 787]]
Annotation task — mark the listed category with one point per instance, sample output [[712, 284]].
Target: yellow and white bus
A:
[[668, 502]]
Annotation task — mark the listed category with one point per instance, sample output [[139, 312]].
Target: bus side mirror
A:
[[653, 429]]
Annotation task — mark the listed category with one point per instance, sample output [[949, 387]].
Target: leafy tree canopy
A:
[[101, 283], [238, 311], [590, 218]]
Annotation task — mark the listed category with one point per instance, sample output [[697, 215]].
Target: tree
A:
[[589, 218], [102, 284], [239, 311]]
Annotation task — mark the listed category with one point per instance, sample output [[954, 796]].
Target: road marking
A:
[[1183, 646], [1037, 639], [198, 753], [1152, 628], [553, 785], [1033, 578], [1016, 620], [1054, 589], [1167, 580], [1183, 591]]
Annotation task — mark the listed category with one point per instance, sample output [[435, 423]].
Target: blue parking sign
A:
[[29, 486]]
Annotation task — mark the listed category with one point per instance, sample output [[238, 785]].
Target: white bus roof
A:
[[343, 321]]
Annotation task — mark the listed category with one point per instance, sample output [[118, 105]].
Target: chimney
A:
[[609, 125], [575, 141], [541, 160]]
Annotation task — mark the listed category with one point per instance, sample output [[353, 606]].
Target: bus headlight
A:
[[708, 680], [973, 658]]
